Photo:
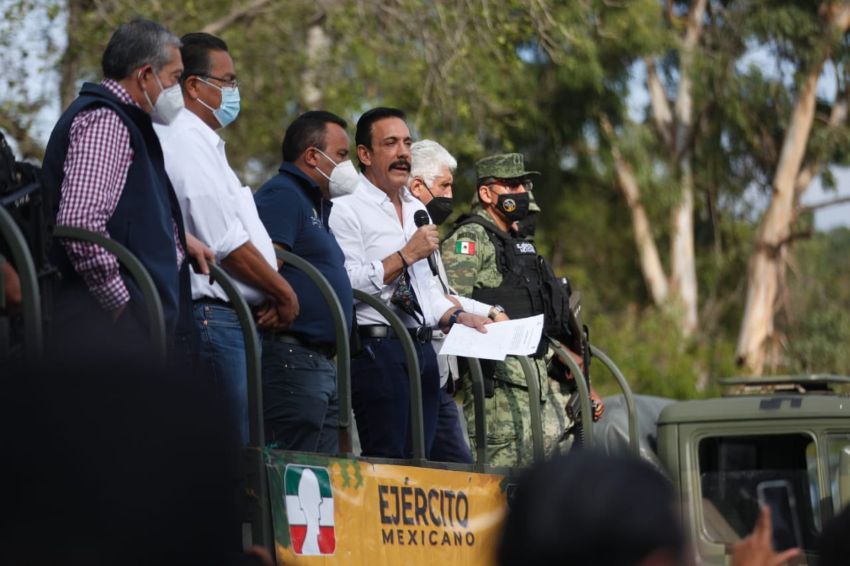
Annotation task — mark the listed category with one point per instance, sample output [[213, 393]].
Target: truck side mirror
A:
[[844, 475]]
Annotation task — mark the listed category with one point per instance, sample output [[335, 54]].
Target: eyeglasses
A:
[[232, 83], [512, 185]]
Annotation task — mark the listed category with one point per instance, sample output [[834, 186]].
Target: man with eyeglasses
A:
[[486, 259], [220, 211]]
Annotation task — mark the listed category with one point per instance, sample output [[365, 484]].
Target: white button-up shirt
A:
[[217, 208], [367, 229]]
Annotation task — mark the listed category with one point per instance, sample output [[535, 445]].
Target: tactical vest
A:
[[529, 287]]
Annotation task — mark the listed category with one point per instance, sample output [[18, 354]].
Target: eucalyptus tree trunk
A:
[[650, 261], [767, 262], [674, 127], [70, 64], [316, 52]]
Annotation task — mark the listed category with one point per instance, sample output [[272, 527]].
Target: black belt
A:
[[327, 350], [420, 334]]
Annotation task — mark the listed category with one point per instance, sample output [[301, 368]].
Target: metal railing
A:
[[30, 296], [255, 483], [583, 391], [416, 420], [153, 303], [256, 430], [634, 443], [33, 336], [343, 351], [478, 402], [535, 417]]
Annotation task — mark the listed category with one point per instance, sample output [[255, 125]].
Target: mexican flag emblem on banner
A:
[[310, 509], [465, 247]]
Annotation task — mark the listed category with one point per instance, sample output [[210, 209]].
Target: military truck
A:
[[787, 433], [787, 437], [783, 435]]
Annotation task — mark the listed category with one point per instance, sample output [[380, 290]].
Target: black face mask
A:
[[528, 225], [513, 206], [439, 209]]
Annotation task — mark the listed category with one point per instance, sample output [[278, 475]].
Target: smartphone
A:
[[778, 496]]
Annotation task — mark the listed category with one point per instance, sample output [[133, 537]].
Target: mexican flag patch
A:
[[310, 509], [465, 247]]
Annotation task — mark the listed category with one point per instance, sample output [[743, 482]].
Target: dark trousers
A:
[[380, 396], [80, 328], [450, 442], [300, 403]]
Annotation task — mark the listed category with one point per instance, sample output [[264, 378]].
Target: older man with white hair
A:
[[431, 178]]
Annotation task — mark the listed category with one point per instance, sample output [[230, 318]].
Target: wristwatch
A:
[[495, 311], [453, 317]]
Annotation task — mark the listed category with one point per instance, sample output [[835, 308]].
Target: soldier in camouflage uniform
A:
[[472, 265]]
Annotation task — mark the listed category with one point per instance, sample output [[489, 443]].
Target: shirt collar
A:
[[119, 91], [306, 183], [187, 119], [376, 194]]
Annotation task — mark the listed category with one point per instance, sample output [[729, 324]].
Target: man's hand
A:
[[422, 244], [596, 404], [11, 287], [266, 317], [757, 548], [200, 253], [286, 305], [475, 321], [116, 313], [501, 317]]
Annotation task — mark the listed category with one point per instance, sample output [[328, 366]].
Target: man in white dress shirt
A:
[[220, 211], [385, 256]]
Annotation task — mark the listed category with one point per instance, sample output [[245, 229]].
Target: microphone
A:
[[421, 218]]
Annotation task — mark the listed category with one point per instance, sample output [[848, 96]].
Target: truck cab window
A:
[[835, 444], [731, 469]]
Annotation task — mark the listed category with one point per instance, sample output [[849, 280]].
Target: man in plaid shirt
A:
[[104, 168]]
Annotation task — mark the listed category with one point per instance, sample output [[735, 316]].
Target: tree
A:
[[768, 260]]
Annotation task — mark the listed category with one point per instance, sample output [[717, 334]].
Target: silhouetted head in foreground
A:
[[834, 543], [114, 462], [588, 509]]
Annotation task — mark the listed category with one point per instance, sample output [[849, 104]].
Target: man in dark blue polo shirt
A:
[[300, 401]]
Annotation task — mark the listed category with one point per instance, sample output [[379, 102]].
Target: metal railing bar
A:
[[627, 394], [343, 350], [416, 419], [583, 391], [153, 303]]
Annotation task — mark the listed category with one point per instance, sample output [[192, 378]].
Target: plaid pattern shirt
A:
[[96, 165]]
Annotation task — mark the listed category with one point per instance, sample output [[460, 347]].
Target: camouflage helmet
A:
[[502, 166]]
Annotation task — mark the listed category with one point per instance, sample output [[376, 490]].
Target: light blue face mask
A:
[[227, 112]]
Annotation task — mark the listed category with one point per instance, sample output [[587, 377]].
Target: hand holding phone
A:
[[757, 549], [779, 498]]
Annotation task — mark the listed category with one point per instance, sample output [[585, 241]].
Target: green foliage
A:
[[653, 356], [537, 77], [817, 326]]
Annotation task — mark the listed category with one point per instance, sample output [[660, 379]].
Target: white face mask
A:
[[344, 177], [169, 103]]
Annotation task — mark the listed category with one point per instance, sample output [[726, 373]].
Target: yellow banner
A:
[[329, 511]]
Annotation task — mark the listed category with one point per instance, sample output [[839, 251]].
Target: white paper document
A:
[[518, 337]]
